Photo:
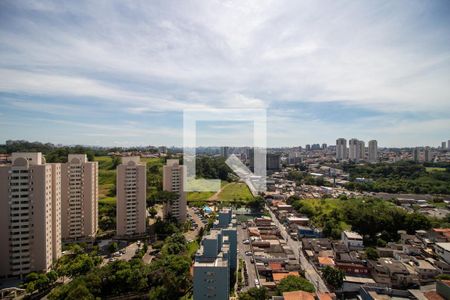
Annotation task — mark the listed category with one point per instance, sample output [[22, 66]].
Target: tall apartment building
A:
[[173, 181], [30, 221], [362, 150], [273, 162], [226, 221], [212, 267], [448, 144], [353, 150], [428, 154], [324, 146], [79, 198], [416, 154], [341, 149], [373, 151], [131, 184], [443, 146]]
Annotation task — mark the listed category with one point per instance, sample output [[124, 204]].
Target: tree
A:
[[334, 277], [254, 294], [294, 283], [371, 253], [80, 292], [153, 212], [113, 247]]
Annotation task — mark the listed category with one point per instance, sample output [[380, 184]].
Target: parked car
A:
[[246, 242], [248, 253]]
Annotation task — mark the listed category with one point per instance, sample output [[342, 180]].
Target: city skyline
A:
[[123, 77]]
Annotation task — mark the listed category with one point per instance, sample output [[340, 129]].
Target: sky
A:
[[122, 73]]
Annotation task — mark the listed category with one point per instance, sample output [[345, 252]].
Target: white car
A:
[[256, 282], [248, 253], [246, 242]]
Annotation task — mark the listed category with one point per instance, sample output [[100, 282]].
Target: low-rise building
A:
[[352, 240], [443, 251]]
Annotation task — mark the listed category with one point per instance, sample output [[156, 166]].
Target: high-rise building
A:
[[273, 162], [341, 149], [373, 151], [443, 146], [294, 158], [226, 220], [30, 224], [173, 181], [353, 150], [212, 267], [416, 154], [448, 144], [308, 147], [428, 154], [79, 198], [131, 197], [324, 146], [361, 150], [224, 151]]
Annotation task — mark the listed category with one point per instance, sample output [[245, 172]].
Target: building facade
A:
[[79, 198], [373, 151], [353, 150], [30, 220], [173, 181], [341, 149], [131, 184], [212, 268]]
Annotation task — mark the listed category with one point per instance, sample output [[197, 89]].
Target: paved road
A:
[[310, 272], [192, 234], [251, 268]]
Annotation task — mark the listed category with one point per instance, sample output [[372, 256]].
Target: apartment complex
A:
[[226, 221], [173, 181], [341, 149], [79, 198], [212, 268], [30, 221], [373, 151], [131, 197]]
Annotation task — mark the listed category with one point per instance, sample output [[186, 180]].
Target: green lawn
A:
[[199, 196], [235, 191], [433, 169], [108, 200]]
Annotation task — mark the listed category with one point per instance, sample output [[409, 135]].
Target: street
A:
[[242, 248], [310, 272]]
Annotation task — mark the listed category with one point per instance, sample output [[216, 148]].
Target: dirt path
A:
[[215, 197]]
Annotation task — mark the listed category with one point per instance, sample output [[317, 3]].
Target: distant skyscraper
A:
[[131, 197], [373, 151], [416, 154], [79, 197], [341, 149], [30, 224], [308, 147], [324, 146], [448, 144], [225, 152], [428, 154], [273, 162], [173, 181], [443, 146], [353, 150], [362, 150]]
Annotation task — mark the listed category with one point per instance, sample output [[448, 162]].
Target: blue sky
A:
[[122, 72]]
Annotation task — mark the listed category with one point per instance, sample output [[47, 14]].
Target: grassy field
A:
[[431, 169], [199, 196], [235, 191]]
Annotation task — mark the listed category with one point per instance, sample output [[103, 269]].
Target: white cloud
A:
[[170, 56]]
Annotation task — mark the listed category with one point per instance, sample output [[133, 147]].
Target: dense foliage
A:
[[294, 283], [212, 168], [401, 177], [165, 278], [373, 218], [333, 277], [254, 294]]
